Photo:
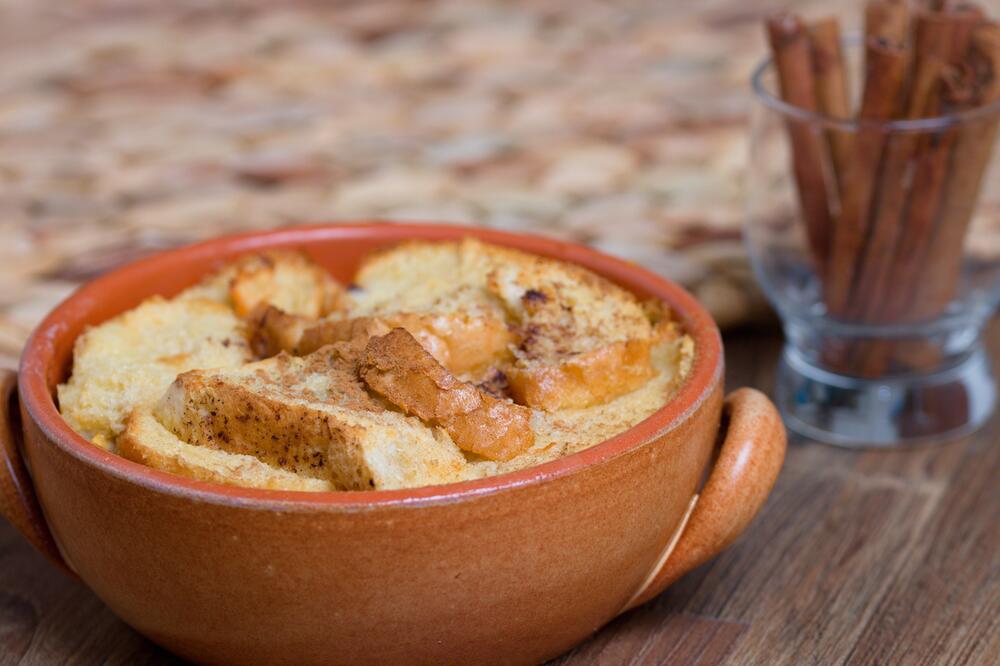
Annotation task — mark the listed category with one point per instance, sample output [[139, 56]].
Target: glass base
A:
[[885, 412]]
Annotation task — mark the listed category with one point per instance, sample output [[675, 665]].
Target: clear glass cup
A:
[[884, 308]]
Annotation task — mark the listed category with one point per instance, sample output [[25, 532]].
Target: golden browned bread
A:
[[146, 441], [311, 416], [272, 330], [450, 361], [583, 339], [283, 278], [130, 360], [466, 345], [587, 378], [580, 339], [568, 431], [398, 368], [424, 277]]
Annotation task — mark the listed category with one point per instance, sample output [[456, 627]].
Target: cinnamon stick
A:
[[969, 161], [793, 63], [910, 192], [832, 95], [889, 200], [886, 212], [887, 21], [885, 74], [943, 40], [936, 39]]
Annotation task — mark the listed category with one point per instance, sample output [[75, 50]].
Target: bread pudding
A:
[[440, 362]]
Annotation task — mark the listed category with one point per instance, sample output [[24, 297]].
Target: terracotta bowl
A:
[[511, 569]]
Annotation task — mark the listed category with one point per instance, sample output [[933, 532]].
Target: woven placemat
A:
[[128, 127]]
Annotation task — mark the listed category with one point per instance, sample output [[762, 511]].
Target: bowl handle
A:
[[18, 503], [747, 465]]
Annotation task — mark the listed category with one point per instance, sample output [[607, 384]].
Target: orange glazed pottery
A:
[[509, 569]]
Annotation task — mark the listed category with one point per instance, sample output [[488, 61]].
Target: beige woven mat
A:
[[127, 127]]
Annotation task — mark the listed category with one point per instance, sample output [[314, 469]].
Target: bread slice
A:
[[311, 416], [146, 441], [579, 339], [583, 341], [468, 346], [398, 368], [426, 277], [130, 360], [569, 431], [272, 330], [286, 279]]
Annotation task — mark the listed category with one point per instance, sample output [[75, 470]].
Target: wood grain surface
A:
[[858, 558]]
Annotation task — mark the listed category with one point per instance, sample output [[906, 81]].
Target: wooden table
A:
[[860, 558]]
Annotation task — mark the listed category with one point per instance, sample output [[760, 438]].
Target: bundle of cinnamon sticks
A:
[[886, 211]]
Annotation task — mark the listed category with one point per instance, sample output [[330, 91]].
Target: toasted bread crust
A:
[[571, 339], [471, 345], [587, 379], [310, 416], [461, 343], [129, 360], [286, 279], [234, 417], [442, 348], [146, 441], [426, 277], [331, 331], [582, 339], [464, 344], [272, 330], [397, 367], [594, 377]]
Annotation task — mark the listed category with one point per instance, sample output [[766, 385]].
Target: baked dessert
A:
[[443, 361]]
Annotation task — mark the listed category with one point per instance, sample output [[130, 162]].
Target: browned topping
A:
[[258, 279], [462, 343], [365, 402], [262, 417], [329, 331], [496, 384], [397, 367], [583, 379], [272, 330], [657, 311], [533, 295]]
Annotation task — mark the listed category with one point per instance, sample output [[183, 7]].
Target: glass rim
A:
[[897, 125]]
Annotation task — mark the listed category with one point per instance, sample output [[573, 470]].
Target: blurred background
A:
[[128, 127]]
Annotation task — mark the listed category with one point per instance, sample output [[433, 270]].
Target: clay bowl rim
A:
[[39, 351]]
